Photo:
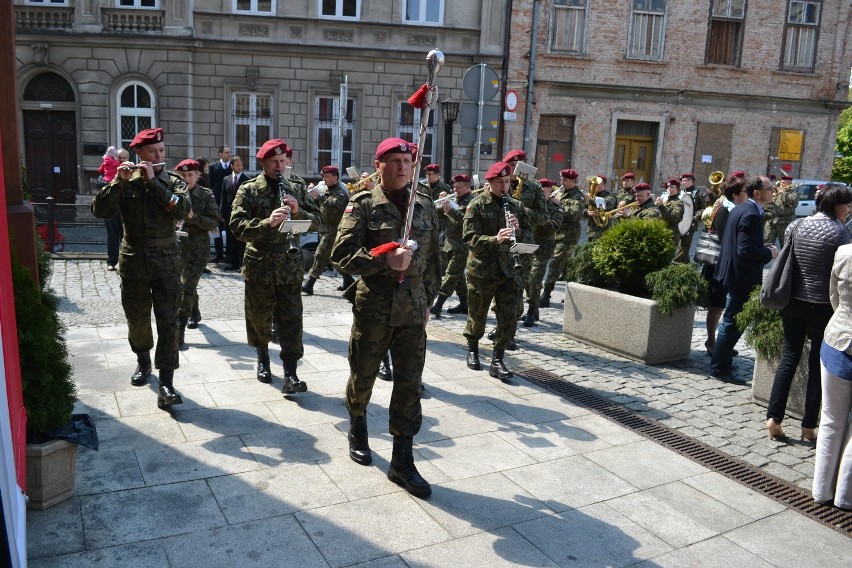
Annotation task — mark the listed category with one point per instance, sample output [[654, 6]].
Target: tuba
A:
[[598, 216], [716, 179]]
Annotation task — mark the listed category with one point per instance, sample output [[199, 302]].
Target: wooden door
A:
[[633, 154], [50, 143]]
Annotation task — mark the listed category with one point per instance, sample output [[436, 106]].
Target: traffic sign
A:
[[480, 75], [511, 101]]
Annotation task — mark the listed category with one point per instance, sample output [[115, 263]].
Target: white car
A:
[[806, 188]]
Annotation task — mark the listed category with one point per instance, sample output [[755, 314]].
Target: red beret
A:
[[188, 166], [330, 170], [460, 178], [786, 178], [289, 152], [395, 145], [628, 175], [673, 182], [499, 169], [642, 186], [274, 147], [546, 182], [772, 177], [569, 174], [147, 136], [738, 174], [433, 168], [603, 178], [515, 155], [687, 176]]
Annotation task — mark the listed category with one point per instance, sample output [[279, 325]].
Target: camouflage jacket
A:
[[331, 205], [573, 207], [371, 220], [436, 189], [486, 258], [266, 258], [554, 222], [785, 203], [648, 210], [455, 223], [205, 212], [532, 198], [672, 213], [592, 229]]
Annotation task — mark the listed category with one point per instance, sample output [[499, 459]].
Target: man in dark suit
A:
[[740, 269], [230, 185], [218, 172]]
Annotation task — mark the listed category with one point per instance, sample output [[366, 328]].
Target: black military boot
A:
[[402, 470], [498, 370], [166, 395], [544, 302], [264, 374], [348, 280], [439, 303], [292, 384], [194, 318], [359, 446], [385, 370], [139, 378], [182, 330], [461, 308], [473, 356], [529, 318], [512, 346], [308, 286]]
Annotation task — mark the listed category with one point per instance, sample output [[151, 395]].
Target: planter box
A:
[[626, 325], [764, 376], [51, 469]]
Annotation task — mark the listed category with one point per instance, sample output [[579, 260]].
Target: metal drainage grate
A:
[[744, 473]]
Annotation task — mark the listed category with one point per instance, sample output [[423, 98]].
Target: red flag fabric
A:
[[418, 99], [384, 249]]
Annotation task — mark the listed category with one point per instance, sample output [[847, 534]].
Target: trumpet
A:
[[607, 215], [361, 184], [441, 200], [140, 166], [597, 215]]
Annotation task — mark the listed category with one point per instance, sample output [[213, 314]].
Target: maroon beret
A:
[[395, 145], [289, 152], [687, 176], [460, 178], [603, 178], [786, 178], [772, 177], [515, 155], [189, 165], [673, 182], [330, 170], [738, 174], [433, 168], [147, 136], [569, 174], [546, 182], [499, 169], [642, 186], [274, 147], [628, 175]]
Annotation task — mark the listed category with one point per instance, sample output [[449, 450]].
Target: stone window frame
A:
[[410, 131], [725, 30], [254, 122], [143, 117], [320, 123], [421, 17], [798, 22], [338, 15], [138, 4], [48, 2], [643, 12], [253, 8], [564, 10]]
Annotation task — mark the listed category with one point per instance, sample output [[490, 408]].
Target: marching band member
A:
[[593, 231], [699, 203], [647, 208], [331, 203], [545, 237], [784, 204], [628, 181], [573, 207], [453, 211], [671, 209]]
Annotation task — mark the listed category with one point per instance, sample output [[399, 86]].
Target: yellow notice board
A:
[[790, 146]]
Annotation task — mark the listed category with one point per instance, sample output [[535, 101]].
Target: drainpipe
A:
[[504, 76], [190, 149], [531, 75]]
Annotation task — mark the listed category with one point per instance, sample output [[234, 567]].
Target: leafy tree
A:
[[842, 170]]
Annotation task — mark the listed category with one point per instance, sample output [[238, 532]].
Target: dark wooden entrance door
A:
[[50, 144]]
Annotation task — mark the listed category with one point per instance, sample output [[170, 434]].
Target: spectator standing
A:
[[234, 248], [112, 159], [219, 170]]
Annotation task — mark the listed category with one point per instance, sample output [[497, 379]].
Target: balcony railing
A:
[[44, 17], [116, 20]]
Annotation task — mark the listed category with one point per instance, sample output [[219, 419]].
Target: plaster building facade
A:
[[90, 73], [659, 87]]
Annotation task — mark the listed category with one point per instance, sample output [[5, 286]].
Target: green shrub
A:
[[630, 250], [763, 329], [676, 286], [580, 269], [48, 388]]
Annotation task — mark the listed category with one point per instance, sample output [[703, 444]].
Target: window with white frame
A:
[[251, 117], [647, 29], [135, 109], [254, 6], [423, 11], [725, 32], [139, 3], [408, 128], [800, 35], [49, 2], [569, 26], [340, 9], [327, 133]]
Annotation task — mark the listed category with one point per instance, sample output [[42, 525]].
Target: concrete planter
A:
[[764, 376], [51, 469], [626, 325]]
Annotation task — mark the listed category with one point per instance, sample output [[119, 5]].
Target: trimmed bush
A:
[[763, 329], [630, 250], [581, 269], [677, 286]]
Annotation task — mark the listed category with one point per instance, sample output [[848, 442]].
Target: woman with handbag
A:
[[814, 240]]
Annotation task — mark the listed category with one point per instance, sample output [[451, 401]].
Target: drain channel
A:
[[754, 478]]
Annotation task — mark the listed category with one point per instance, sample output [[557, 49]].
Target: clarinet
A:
[[294, 248], [516, 258]]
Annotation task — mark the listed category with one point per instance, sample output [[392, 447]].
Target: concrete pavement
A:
[[241, 475]]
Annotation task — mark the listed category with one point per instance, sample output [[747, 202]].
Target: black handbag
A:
[[707, 250], [776, 289]]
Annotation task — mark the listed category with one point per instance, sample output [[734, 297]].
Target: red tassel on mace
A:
[[418, 99], [384, 249]]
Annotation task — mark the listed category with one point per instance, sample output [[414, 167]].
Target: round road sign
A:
[[511, 101]]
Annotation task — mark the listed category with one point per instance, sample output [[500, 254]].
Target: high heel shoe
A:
[[809, 435], [709, 348], [775, 431]]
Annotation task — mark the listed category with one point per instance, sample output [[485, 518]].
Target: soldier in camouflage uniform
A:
[[272, 272], [331, 204], [573, 207], [435, 187], [491, 269], [625, 194], [593, 231], [784, 208], [152, 201], [545, 238], [699, 203], [389, 315], [202, 218], [671, 209], [647, 207], [453, 212]]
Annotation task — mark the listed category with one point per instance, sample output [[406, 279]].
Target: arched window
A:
[[49, 87], [135, 110]]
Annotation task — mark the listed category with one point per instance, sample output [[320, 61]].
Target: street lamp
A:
[[450, 112]]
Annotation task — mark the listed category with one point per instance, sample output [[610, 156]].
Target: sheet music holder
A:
[[523, 248], [294, 226]]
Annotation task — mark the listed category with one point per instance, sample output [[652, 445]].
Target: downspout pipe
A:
[[504, 76], [531, 75]]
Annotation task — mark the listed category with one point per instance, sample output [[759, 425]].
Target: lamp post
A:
[[450, 112]]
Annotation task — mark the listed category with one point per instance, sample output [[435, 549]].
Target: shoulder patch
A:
[[349, 208]]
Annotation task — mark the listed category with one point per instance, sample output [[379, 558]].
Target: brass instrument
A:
[[516, 258], [595, 214], [361, 184], [139, 167], [282, 193], [716, 179], [607, 215], [519, 189], [441, 200]]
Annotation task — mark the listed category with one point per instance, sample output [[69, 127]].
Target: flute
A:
[[139, 166]]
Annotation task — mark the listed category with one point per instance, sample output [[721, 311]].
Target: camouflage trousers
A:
[[541, 258], [506, 293], [562, 251], [137, 299], [775, 230], [369, 341], [195, 250], [683, 245], [286, 301], [454, 274], [322, 254]]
